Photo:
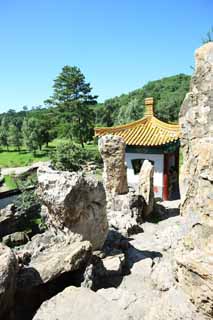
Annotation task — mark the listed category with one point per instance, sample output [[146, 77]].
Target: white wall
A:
[[158, 173]]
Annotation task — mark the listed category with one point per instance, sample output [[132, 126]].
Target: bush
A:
[[69, 156]]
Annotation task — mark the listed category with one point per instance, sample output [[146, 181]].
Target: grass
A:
[[10, 182], [12, 158]]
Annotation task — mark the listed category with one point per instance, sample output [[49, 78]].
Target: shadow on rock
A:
[[28, 299], [134, 255]]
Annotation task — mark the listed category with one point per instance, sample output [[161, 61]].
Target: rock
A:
[[8, 269], [79, 304], [195, 267], [112, 149], [15, 239], [163, 276], [172, 305], [196, 118], [52, 259], [146, 186], [76, 205], [125, 213], [195, 254], [114, 264], [13, 220], [122, 297], [104, 270]]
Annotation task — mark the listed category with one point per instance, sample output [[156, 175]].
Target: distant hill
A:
[[168, 94]]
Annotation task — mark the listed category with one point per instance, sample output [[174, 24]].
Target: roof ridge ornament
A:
[[149, 107]]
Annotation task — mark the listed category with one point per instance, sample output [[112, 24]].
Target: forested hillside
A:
[[168, 94]]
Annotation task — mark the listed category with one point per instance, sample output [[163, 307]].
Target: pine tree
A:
[[72, 94]]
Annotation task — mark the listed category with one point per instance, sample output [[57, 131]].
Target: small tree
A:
[[15, 137], [30, 134], [4, 134]]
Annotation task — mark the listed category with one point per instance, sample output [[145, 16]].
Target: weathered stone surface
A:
[[112, 149], [51, 257], [163, 276], [125, 213], [146, 186], [195, 267], [15, 239], [76, 205], [79, 304], [114, 263], [8, 269], [195, 255], [196, 119], [13, 220]]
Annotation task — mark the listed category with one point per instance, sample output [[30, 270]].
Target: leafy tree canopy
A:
[[168, 94]]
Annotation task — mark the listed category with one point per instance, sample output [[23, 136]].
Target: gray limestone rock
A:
[[75, 205], [80, 304], [8, 270], [146, 186], [195, 254], [112, 149], [51, 257]]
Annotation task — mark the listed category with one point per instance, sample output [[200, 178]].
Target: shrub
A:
[[69, 156]]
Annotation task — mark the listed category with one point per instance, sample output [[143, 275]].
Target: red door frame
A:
[[165, 178]]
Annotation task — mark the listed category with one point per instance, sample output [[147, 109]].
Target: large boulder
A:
[[195, 254], [146, 186], [79, 304], [8, 269], [50, 257], [112, 149], [75, 205], [196, 118]]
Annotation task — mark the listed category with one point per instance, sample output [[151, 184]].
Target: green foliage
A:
[[26, 200], [133, 111], [30, 131], [72, 95], [10, 182], [69, 156], [4, 137], [209, 36], [35, 133], [168, 94], [26, 180], [15, 136]]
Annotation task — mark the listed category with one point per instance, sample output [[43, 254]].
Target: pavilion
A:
[[152, 139]]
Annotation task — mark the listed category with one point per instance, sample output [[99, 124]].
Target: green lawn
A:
[[13, 158], [19, 159], [9, 182]]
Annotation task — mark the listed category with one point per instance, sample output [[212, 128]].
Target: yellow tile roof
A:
[[148, 131]]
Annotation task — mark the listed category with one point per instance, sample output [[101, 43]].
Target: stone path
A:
[[20, 170]]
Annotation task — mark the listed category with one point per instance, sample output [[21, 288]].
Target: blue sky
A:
[[118, 44]]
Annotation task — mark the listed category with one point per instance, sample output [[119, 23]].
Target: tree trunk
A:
[[80, 135]]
